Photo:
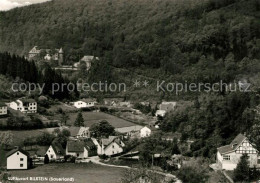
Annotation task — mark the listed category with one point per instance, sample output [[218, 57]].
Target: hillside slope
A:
[[201, 41]]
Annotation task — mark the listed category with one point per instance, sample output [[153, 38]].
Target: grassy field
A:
[[94, 117], [19, 136], [82, 173]]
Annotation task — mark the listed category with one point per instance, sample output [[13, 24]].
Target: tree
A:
[[79, 120], [142, 175], [6, 139], [46, 159], [65, 117], [45, 139], [29, 141], [102, 129], [242, 171], [175, 148], [190, 174]]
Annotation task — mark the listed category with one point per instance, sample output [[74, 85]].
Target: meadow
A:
[[82, 173], [94, 117]]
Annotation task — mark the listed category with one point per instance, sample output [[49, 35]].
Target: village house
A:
[[145, 132], [228, 156], [18, 159], [55, 152], [38, 154], [129, 130], [88, 60], [113, 101], [84, 103], [24, 105], [98, 146], [165, 107], [79, 132], [3, 109], [161, 113], [125, 104], [48, 54], [112, 145], [81, 148]]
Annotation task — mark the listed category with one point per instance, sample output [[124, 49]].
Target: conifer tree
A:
[[79, 120], [242, 171]]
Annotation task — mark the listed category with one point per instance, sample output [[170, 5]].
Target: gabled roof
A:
[[41, 150], [75, 146], [74, 130], [27, 100], [89, 144], [233, 145], [78, 145], [167, 106], [2, 104], [58, 149], [87, 58], [238, 140], [129, 129], [16, 150], [152, 128], [111, 139]]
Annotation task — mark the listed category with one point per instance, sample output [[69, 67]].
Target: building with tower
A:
[[46, 54]]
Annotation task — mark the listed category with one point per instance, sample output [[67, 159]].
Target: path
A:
[[96, 160]]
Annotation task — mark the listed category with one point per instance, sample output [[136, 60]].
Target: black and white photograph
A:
[[129, 91]]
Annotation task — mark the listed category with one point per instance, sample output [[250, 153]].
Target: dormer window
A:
[[234, 145]]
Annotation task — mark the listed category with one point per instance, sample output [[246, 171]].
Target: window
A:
[[226, 157], [21, 165], [17, 153], [51, 156], [21, 159], [258, 161], [112, 146]]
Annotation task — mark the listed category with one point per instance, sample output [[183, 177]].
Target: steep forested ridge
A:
[[176, 40], [179, 37]]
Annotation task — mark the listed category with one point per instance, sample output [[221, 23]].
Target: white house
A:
[[17, 159], [167, 106], [24, 105], [78, 132], [112, 145], [161, 113], [55, 151], [129, 130], [3, 109], [81, 148], [99, 148], [84, 103], [228, 156], [145, 132], [88, 61]]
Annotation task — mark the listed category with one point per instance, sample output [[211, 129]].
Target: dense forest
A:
[[177, 40], [201, 40], [21, 70]]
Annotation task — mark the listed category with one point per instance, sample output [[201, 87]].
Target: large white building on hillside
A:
[[228, 156], [24, 105]]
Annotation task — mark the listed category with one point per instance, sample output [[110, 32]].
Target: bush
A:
[[103, 109], [103, 156]]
